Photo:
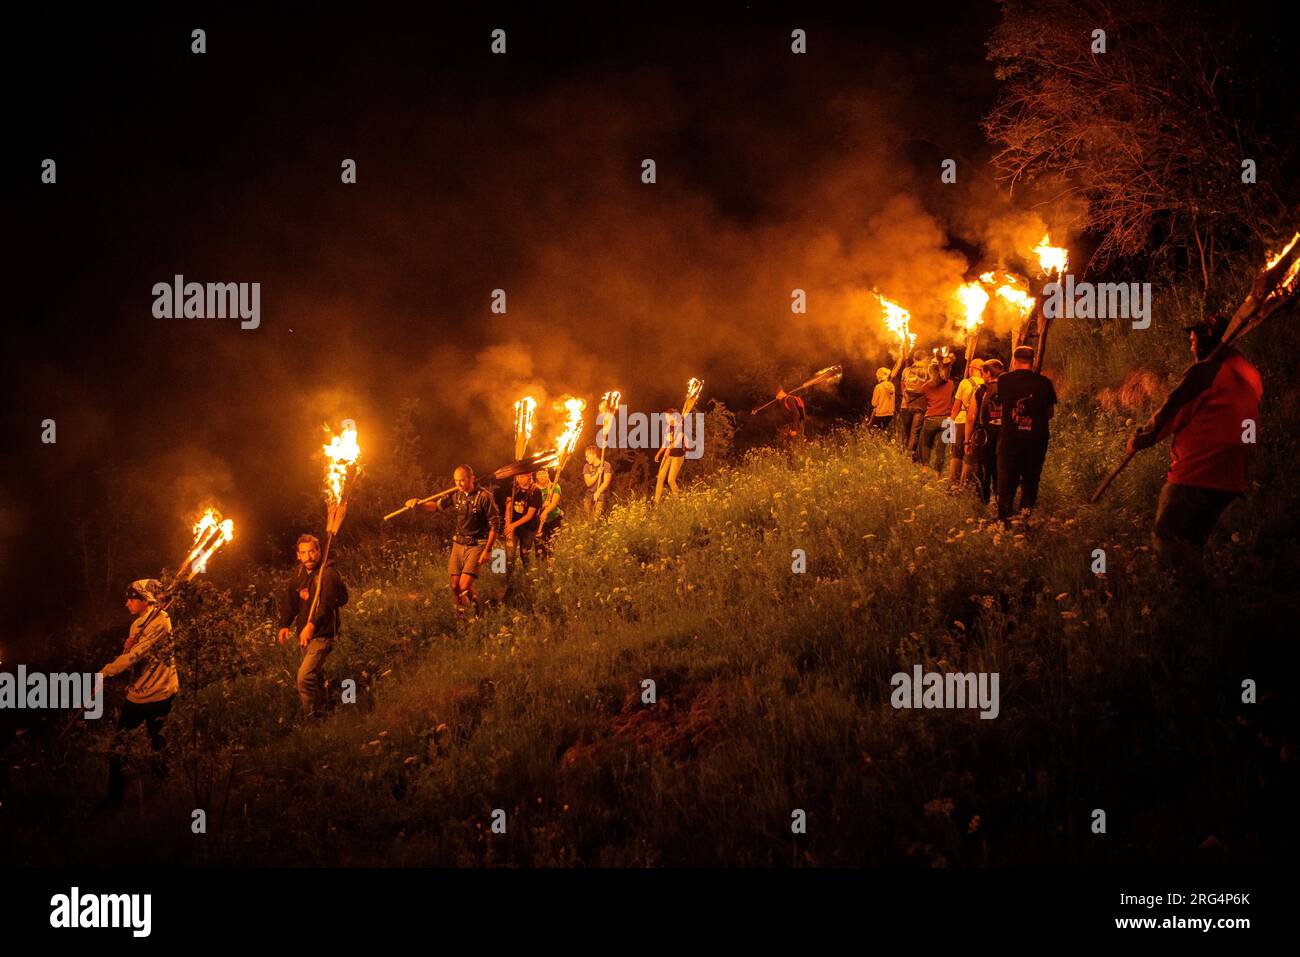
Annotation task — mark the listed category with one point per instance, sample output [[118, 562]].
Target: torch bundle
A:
[[1052, 261], [1275, 286], [342, 454], [567, 440], [609, 403], [525, 409], [830, 375], [896, 321], [210, 533], [973, 298], [693, 389]]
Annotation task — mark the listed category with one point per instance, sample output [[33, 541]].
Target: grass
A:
[[772, 692]]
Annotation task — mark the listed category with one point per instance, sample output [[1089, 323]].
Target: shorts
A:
[[463, 557]]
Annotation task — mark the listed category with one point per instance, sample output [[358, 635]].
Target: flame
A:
[[896, 321], [525, 409], [1284, 288], [609, 403], [341, 454], [204, 529], [973, 299], [1051, 259], [987, 277], [210, 533], [1016, 297], [226, 534], [567, 440], [1274, 260]]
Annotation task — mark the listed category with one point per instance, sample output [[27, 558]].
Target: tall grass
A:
[[772, 692]]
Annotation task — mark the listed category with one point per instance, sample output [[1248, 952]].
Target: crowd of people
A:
[[994, 420], [989, 423]]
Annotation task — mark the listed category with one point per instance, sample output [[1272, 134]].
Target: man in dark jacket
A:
[[478, 523], [315, 636]]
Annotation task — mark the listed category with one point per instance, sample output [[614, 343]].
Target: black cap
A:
[[1023, 354], [1209, 329]]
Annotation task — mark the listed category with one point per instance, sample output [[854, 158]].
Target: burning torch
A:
[[896, 321], [831, 374], [973, 298], [567, 440], [1053, 261], [341, 456], [609, 403], [693, 389]]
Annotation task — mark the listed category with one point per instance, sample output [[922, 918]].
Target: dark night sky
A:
[[475, 172]]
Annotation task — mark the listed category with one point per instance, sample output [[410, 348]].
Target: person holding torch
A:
[[478, 523], [315, 620]]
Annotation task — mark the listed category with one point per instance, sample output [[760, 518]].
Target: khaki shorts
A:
[[464, 559]]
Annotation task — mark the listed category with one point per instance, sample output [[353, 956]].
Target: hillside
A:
[[773, 693]]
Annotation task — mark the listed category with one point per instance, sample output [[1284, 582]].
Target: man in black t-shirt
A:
[[1028, 400], [525, 504]]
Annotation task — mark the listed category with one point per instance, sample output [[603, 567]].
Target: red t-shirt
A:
[[1208, 449], [938, 397]]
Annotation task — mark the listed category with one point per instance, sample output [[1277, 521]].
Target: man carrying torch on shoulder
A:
[[478, 523], [1214, 436], [150, 654], [315, 637]]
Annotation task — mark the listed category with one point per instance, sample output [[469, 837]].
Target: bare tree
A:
[[1152, 132]]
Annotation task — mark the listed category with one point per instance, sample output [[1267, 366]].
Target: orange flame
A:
[[1292, 274], [341, 454], [973, 299], [1051, 259], [567, 440], [896, 321], [1274, 260], [210, 533], [1016, 297], [227, 533]]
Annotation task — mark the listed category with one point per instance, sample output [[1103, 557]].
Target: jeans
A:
[[909, 421], [1020, 465], [311, 676], [151, 714], [931, 430], [1185, 517]]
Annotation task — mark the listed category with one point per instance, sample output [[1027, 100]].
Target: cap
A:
[[1209, 328]]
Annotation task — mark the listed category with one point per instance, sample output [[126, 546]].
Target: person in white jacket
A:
[[149, 656]]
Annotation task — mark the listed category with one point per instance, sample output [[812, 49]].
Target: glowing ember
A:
[[973, 299], [896, 321], [341, 454], [525, 409], [1051, 259]]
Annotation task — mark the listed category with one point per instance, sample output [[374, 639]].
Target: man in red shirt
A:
[[1213, 417]]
